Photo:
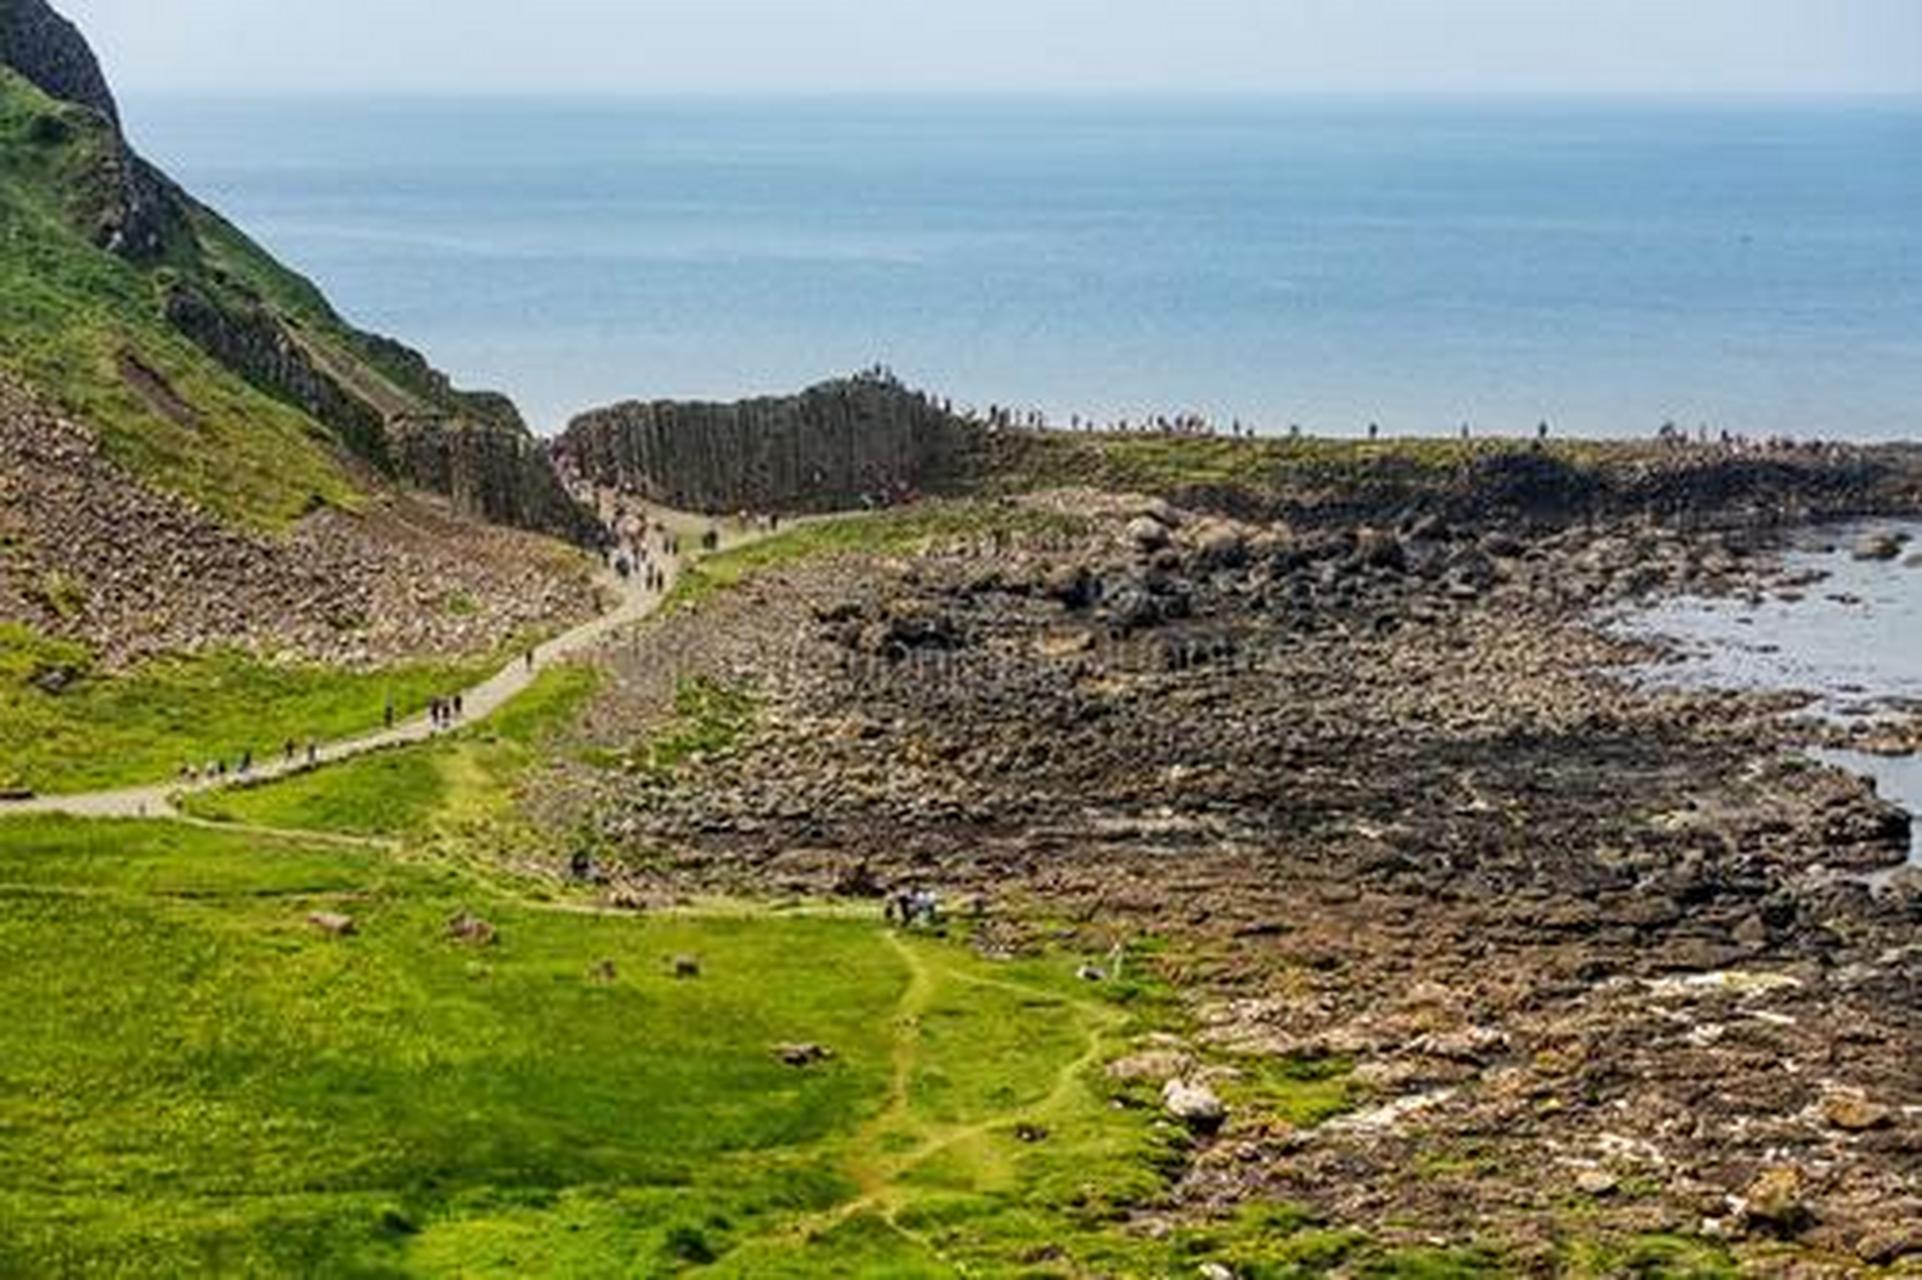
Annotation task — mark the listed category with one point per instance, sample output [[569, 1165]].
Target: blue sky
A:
[[1365, 46]]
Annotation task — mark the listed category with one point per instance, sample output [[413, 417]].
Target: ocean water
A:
[[1851, 638], [1604, 266]]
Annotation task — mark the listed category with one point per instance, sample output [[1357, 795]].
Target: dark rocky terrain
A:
[[88, 553], [1589, 952]]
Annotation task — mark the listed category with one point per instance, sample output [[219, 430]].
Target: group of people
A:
[[219, 770], [442, 713]]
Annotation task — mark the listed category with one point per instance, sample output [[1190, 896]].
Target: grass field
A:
[[192, 1078], [467, 774], [140, 726]]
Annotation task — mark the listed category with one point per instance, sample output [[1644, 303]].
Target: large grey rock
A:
[[1880, 545], [1196, 1106]]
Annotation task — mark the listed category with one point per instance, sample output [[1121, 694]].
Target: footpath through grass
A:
[[467, 774], [64, 728]]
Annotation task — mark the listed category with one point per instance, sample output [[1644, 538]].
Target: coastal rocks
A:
[[1879, 546], [1195, 1106], [1851, 1111], [1147, 535], [1638, 955]]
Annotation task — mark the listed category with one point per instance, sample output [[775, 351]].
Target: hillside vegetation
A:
[[85, 329]]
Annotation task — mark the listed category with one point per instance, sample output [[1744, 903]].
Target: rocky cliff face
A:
[[49, 51], [377, 397], [835, 446], [505, 474]]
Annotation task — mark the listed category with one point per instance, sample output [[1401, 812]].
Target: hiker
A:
[[313, 753], [530, 659], [457, 706], [390, 712], [290, 751]]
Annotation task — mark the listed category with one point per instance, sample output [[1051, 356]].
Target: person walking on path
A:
[[390, 711]]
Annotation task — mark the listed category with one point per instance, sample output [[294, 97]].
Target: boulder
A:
[[1851, 1111], [470, 928], [1151, 1064], [1196, 1106], [1775, 1200], [1146, 535], [332, 922], [1380, 549], [1880, 545], [1071, 585], [802, 1055]]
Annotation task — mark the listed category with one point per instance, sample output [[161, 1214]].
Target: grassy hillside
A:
[[79, 325], [208, 367]]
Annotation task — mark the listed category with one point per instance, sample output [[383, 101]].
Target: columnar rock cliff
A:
[[842, 444], [185, 271]]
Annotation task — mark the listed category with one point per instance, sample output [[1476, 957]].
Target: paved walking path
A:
[[635, 602]]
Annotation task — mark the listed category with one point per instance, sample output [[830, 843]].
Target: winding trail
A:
[[634, 603]]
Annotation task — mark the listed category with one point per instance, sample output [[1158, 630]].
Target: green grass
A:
[[194, 1081], [69, 312], [400, 792], [896, 532], [140, 726]]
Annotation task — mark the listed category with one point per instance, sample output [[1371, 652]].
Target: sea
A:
[[1602, 266], [1851, 641]]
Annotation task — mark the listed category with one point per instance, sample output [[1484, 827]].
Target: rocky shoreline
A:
[[1387, 795]]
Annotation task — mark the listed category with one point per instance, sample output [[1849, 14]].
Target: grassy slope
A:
[[141, 726], [68, 311]]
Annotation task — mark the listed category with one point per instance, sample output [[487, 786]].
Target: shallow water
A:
[[1852, 639]]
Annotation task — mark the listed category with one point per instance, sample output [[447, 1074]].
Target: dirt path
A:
[[633, 603]]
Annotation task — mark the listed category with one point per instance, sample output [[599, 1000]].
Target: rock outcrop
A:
[[860, 441], [50, 51]]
